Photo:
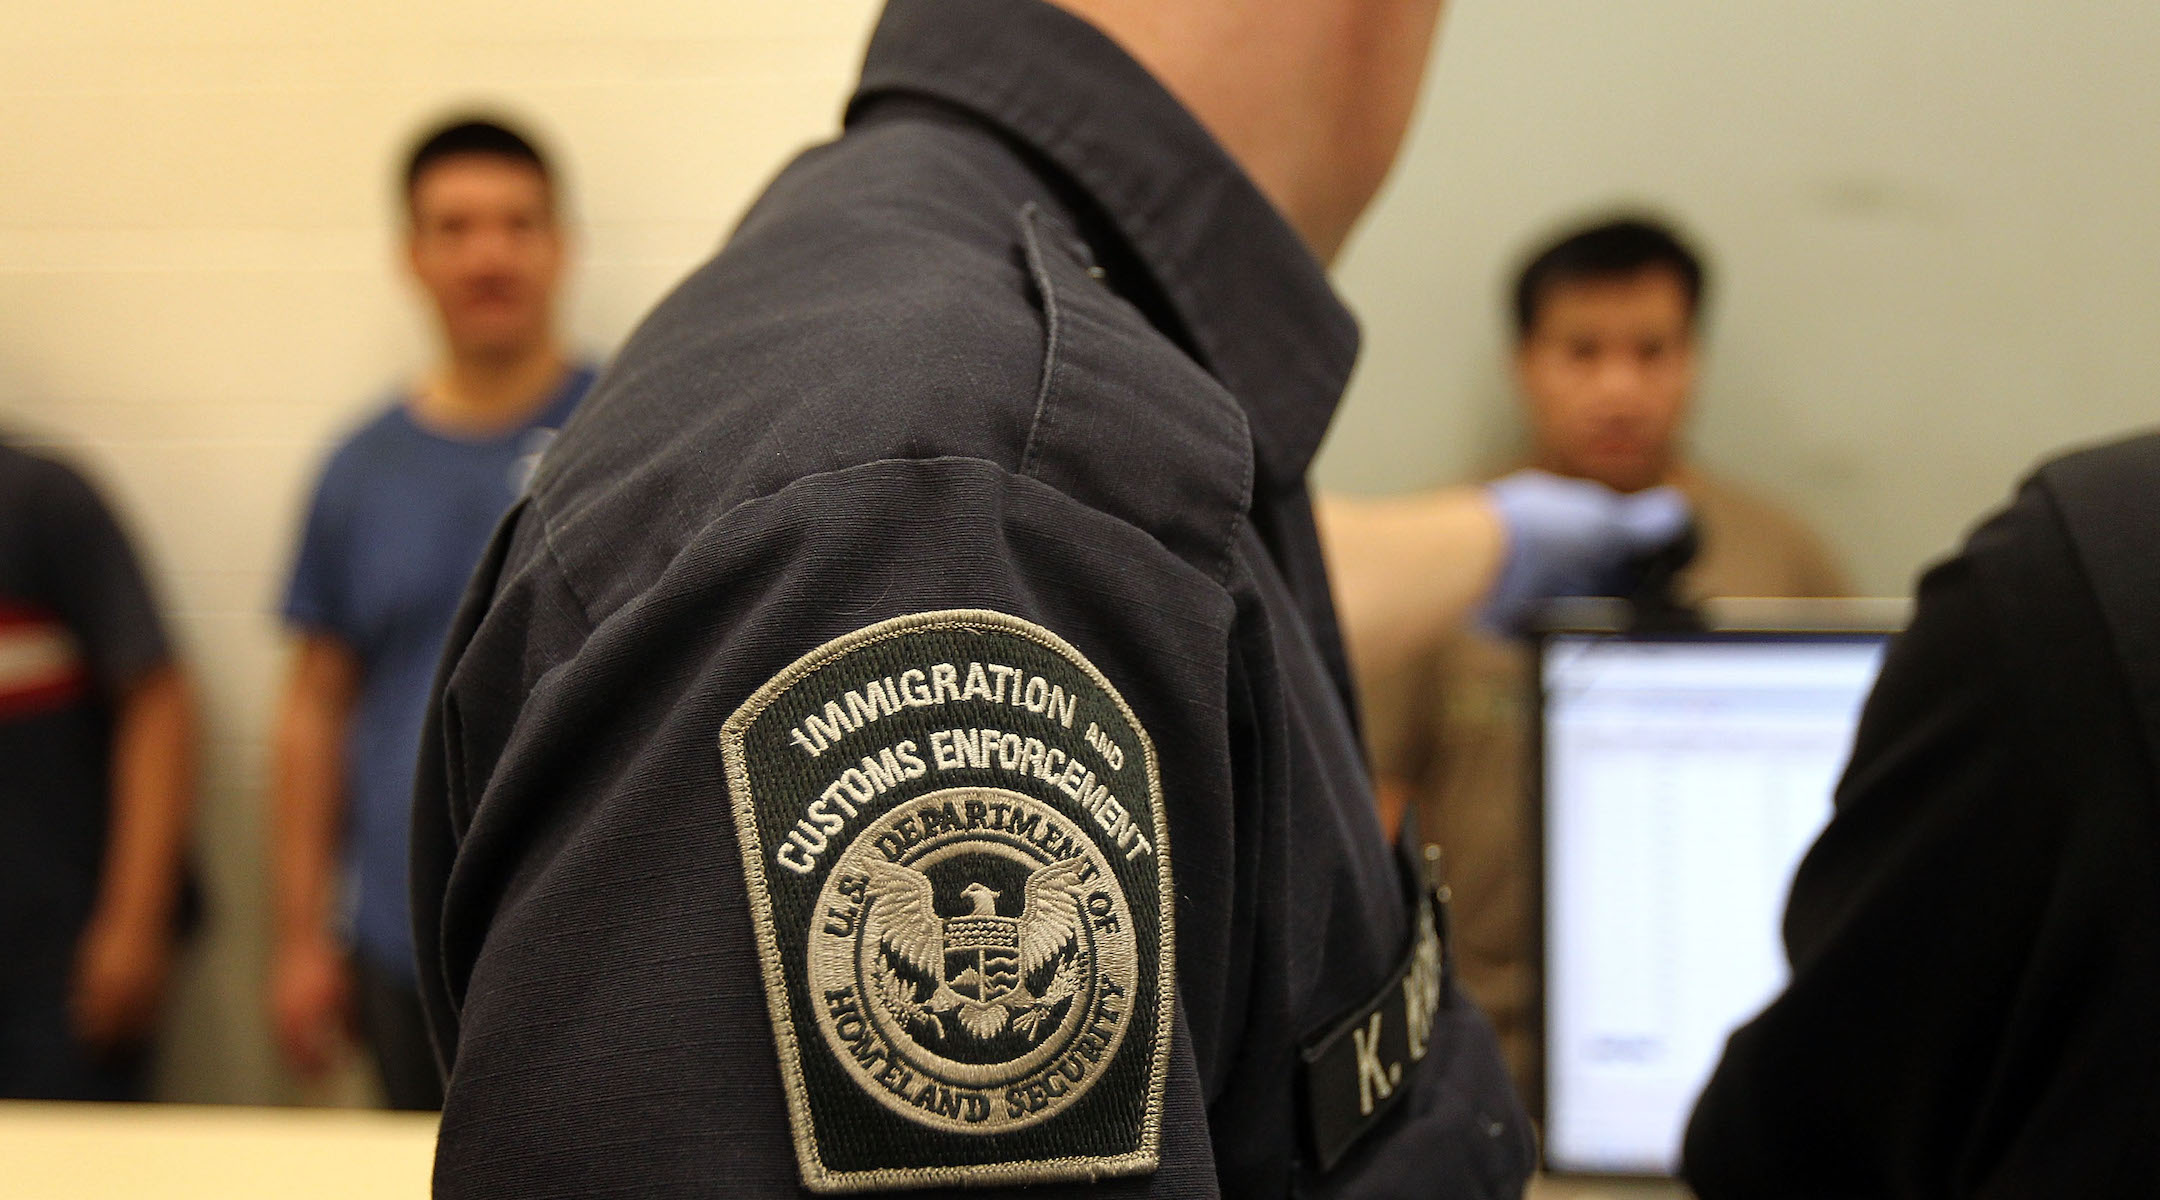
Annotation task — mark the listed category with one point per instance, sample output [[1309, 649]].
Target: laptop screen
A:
[[1683, 779]]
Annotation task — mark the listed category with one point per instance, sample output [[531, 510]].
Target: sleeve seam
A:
[[1053, 319], [558, 565]]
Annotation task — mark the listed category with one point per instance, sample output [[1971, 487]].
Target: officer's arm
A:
[[836, 851], [1408, 570]]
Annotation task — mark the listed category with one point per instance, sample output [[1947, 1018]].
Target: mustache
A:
[[491, 287]]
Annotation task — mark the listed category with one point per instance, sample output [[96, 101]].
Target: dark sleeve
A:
[[97, 583], [587, 936], [1928, 1014], [316, 596]]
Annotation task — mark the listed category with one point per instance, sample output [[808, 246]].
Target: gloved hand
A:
[[1570, 537]]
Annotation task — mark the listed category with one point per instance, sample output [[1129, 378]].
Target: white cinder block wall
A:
[[198, 290], [1933, 230]]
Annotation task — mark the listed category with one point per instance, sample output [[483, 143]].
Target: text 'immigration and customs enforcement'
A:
[[952, 831]]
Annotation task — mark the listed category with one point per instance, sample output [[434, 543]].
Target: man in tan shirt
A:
[[1605, 358]]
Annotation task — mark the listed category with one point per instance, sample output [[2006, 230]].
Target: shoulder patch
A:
[[959, 868]]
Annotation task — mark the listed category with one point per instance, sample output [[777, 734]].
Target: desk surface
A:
[[182, 1152]]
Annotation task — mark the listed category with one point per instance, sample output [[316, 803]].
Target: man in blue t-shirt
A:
[[401, 514]]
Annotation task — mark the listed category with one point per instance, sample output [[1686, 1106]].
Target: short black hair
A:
[[1615, 248], [469, 135]]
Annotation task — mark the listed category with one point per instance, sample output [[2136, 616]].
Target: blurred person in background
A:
[[97, 757], [1607, 324], [399, 517]]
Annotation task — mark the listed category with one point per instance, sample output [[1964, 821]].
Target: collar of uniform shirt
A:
[[1255, 301]]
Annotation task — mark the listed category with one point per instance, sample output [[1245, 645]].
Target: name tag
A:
[[1357, 1071]]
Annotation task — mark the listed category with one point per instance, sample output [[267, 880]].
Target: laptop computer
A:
[[1681, 778]]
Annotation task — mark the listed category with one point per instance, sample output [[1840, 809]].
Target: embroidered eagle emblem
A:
[[978, 963]]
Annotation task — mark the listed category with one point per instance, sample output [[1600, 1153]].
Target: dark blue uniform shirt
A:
[[1023, 341]]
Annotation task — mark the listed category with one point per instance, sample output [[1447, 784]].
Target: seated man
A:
[[1606, 324], [96, 763], [1975, 938]]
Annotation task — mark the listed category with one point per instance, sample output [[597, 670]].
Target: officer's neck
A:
[[1311, 99]]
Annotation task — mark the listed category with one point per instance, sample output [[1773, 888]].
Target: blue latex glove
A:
[[1570, 537]]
